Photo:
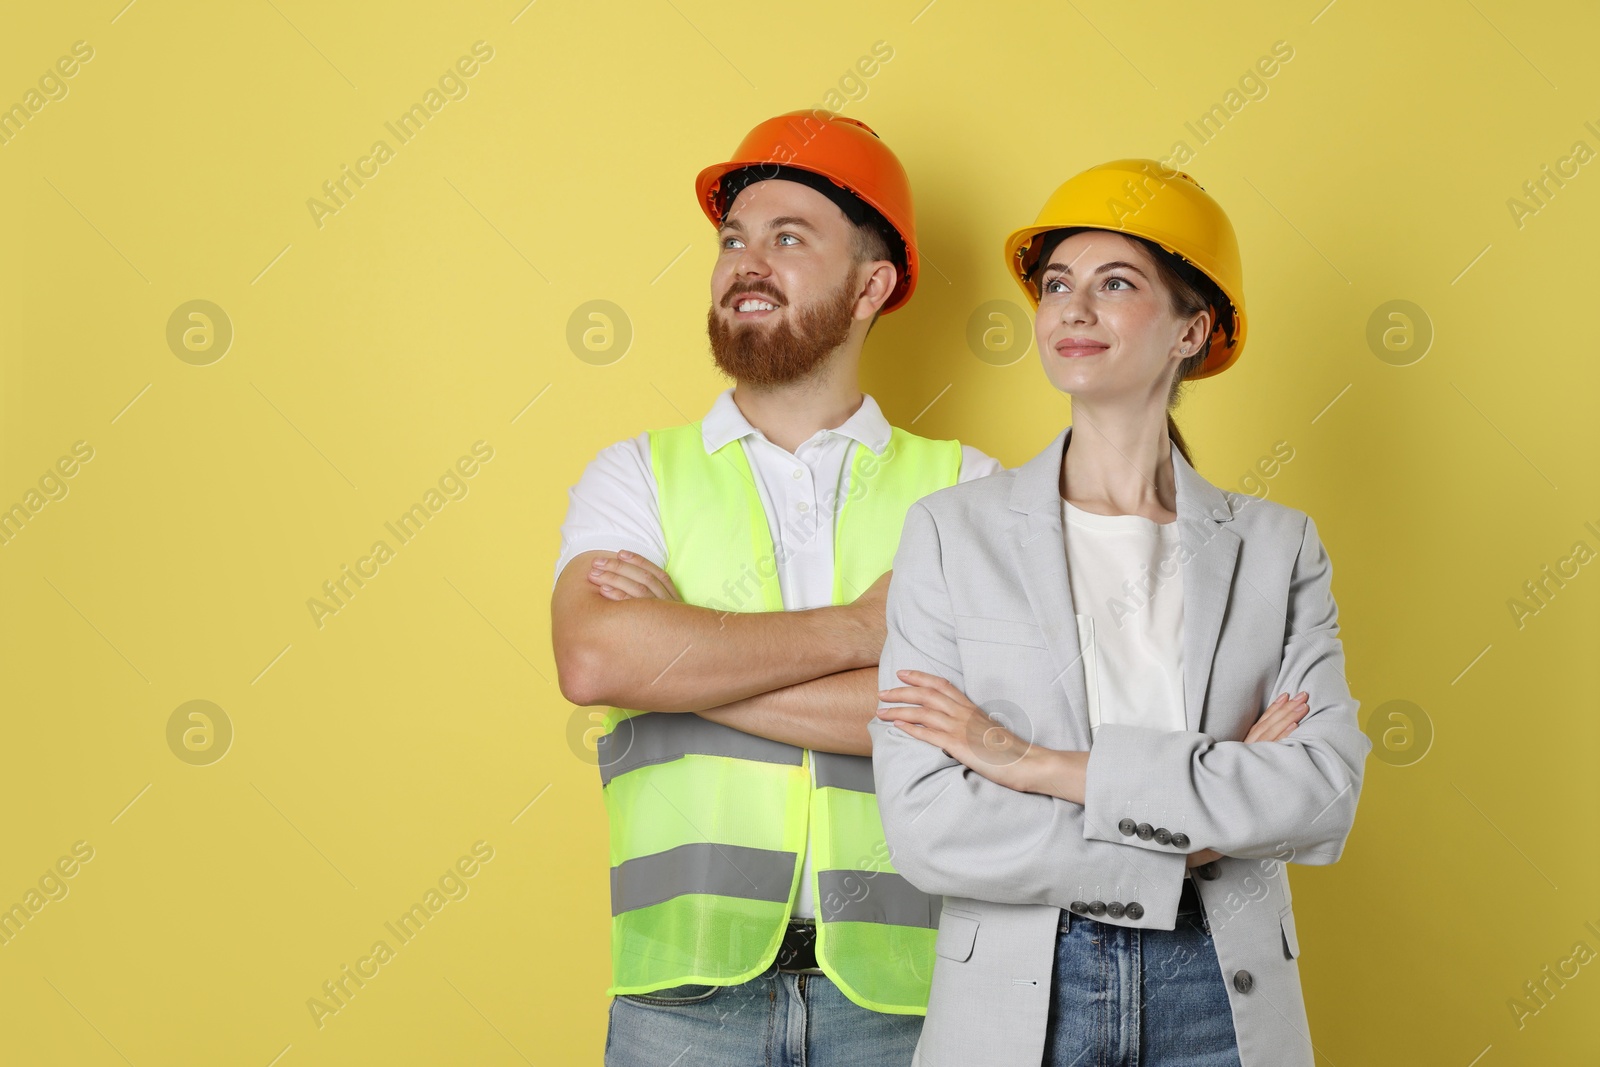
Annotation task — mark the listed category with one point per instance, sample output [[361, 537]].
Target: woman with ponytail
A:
[[1114, 705]]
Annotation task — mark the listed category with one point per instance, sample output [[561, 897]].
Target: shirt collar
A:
[[725, 422]]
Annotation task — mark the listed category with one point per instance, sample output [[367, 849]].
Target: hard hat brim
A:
[[844, 151]]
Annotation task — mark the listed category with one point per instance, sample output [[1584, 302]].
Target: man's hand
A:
[[628, 575], [868, 610]]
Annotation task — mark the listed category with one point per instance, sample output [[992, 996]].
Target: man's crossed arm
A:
[[808, 678]]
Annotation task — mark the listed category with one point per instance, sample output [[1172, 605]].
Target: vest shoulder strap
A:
[[719, 547], [882, 488]]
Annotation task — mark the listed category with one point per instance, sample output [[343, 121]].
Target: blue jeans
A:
[[1122, 996], [776, 1019]]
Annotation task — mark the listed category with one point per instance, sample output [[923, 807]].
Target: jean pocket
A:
[[691, 993]]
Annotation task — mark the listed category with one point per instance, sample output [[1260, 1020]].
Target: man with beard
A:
[[720, 592]]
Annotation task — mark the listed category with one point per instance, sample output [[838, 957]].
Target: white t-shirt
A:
[[615, 506], [1127, 592]]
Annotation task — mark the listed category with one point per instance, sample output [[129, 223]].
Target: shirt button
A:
[[803, 506], [797, 472]]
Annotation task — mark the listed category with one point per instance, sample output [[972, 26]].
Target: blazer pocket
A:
[[1291, 944], [1000, 631], [956, 935]]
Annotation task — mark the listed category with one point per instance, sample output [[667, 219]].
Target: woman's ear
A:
[[1198, 335]]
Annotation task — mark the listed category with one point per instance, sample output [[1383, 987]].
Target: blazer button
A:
[[1127, 827], [1097, 907], [1242, 981], [1163, 835], [1208, 871], [1134, 909], [1114, 909], [1144, 831], [1180, 840], [1079, 906]]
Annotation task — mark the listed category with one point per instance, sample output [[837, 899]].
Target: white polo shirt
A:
[[614, 506]]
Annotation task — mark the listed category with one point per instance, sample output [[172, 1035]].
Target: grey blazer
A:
[[980, 596]]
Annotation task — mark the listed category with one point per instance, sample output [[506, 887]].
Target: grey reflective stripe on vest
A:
[[874, 897], [703, 867], [663, 736], [844, 772]]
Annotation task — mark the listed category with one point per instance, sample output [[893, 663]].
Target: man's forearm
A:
[[829, 714], [672, 656]]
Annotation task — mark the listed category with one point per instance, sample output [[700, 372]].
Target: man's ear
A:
[[876, 288]]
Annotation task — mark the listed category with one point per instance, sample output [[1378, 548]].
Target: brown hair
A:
[[1190, 291]]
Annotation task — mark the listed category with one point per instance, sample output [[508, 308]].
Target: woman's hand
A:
[[1281, 716], [945, 718], [628, 575]]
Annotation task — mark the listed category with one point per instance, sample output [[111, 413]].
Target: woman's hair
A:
[[1191, 292]]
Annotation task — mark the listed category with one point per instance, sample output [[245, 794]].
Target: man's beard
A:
[[778, 353]]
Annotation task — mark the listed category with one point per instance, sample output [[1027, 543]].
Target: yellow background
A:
[[431, 312]]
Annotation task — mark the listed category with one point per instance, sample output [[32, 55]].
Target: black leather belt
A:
[[1189, 898], [799, 949]]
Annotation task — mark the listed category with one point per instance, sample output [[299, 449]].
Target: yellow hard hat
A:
[[1145, 198]]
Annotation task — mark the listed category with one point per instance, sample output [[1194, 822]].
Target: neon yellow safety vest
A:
[[708, 824]]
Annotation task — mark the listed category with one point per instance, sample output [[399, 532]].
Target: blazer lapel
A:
[[1038, 549], [1210, 553]]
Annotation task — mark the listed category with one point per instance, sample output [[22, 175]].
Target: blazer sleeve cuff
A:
[[1156, 882], [1122, 791]]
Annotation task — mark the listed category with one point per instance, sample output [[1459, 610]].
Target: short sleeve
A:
[[975, 464], [614, 506]]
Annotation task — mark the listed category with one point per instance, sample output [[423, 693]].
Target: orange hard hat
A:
[[848, 154]]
